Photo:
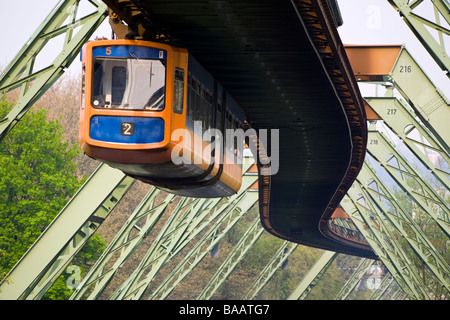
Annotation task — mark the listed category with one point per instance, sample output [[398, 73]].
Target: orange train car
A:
[[152, 111]]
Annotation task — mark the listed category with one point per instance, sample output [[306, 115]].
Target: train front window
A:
[[129, 83]]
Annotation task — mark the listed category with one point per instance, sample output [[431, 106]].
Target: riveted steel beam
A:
[[237, 254], [277, 261], [395, 65], [21, 73], [191, 216], [409, 179], [125, 242], [313, 276], [361, 270], [420, 25], [404, 224], [232, 214], [416, 137], [381, 228], [66, 235], [367, 226]]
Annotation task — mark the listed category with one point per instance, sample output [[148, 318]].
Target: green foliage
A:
[[62, 289], [37, 178]]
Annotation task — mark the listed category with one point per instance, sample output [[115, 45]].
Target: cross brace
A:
[[313, 276], [419, 24], [65, 236], [20, 72]]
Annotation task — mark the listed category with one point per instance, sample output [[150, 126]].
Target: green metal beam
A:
[[381, 290], [191, 216], [237, 254], [427, 101], [314, 275], [404, 224], [233, 214], [416, 137], [381, 228], [163, 247], [125, 242], [419, 24], [65, 236], [362, 269], [361, 218], [409, 179], [228, 215], [280, 257], [20, 71]]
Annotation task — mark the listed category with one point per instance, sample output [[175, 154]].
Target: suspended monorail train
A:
[[148, 109]]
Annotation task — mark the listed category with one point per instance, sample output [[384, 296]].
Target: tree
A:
[[37, 178]]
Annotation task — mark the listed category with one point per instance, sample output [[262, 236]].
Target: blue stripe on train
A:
[[129, 51], [129, 130]]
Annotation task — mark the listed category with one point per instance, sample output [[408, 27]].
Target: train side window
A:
[[178, 91], [97, 87]]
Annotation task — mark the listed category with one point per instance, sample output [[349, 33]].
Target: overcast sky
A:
[[365, 22]]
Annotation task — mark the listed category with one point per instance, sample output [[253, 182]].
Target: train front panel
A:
[[131, 100]]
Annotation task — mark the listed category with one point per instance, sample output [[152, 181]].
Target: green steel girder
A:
[[229, 214], [427, 101], [233, 214], [398, 294], [368, 228], [403, 174], [237, 254], [381, 290], [362, 269], [163, 247], [280, 257], [20, 71], [404, 224], [314, 275], [414, 135], [382, 230], [186, 222], [419, 24], [65, 236], [126, 242]]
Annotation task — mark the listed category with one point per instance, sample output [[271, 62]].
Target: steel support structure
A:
[[227, 220], [399, 118], [21, 73], [362, 219], [313, 276], [278, 260], [384, 233], [419, 123], [404, 224], [65, 236], [125, 242], [190, 218], [237, 254], [419, 26], [381, 290], [173, 236], [394, 66], [229, 215], [362, 269], [409, 179]]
